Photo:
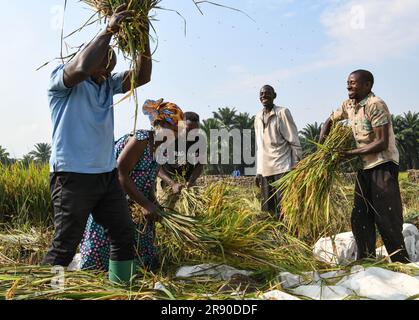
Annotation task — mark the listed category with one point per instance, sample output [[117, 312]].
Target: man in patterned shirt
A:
[[377, 194]]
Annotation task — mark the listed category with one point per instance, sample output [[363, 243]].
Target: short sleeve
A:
[[379, 116], [57, 87], [142, 135], [340, 114], [116, 82]]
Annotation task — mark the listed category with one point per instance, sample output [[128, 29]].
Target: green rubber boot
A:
[[122, 272]]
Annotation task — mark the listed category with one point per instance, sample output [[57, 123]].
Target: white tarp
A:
[[341, 249], [319, 292], [371, 283], [411, 239], [222, 272], [278, 295], [75, 265], [289, 280], [381, 284]]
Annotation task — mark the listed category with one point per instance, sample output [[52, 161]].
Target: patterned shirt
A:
[[145, 171], [370, 113]]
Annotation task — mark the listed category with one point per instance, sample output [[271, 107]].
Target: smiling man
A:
[[377, 194], [278, 148], [84, 178]]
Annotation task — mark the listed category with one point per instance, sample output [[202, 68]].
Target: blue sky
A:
[[304, 48]]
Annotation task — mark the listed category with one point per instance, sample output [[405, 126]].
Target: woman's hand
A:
[[151, 212], [177, 188]]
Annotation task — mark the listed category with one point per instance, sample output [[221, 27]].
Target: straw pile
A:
[[20, 282], [307, 192]]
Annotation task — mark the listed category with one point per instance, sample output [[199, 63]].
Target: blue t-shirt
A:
[[83, 124]]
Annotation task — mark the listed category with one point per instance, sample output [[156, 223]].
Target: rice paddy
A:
[[227, 227]]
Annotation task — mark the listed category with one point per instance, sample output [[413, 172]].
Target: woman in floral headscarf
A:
[[137, 169]]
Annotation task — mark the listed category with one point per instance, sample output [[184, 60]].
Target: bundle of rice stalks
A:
[[192, 201], [247, 239], [133, 33], [250, 239], [183, 231], [307, 190]]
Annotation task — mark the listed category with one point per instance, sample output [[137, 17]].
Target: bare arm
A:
[[380, 143], [87, 62], [142, 70], [127, 161], [196, 173], [325, 129], [176, 187]]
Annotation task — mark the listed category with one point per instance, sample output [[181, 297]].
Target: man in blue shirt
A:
[[84, 178]]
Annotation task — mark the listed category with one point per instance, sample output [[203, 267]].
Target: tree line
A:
[[406, 129], [41, 154]]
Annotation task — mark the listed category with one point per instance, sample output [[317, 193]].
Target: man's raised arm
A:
[[87, 62], [142, 70]]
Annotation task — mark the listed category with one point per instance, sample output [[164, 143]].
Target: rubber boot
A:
[[122, 272]]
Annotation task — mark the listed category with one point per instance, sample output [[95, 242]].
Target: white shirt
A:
[[278, 144]]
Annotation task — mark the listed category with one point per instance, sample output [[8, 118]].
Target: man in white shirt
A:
[[278, 148]]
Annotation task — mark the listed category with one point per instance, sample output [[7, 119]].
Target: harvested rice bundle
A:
[[249, 239], [185, 230], [245, 238], [134, 32], [307, 201], [192, 201]]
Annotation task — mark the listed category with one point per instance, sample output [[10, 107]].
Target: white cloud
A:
[[359, 32], [371, 30], [289, 14]]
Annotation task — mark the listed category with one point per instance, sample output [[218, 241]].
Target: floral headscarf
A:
[[163, 111]]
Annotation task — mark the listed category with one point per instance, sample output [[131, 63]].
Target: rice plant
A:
[[309, 204], [24, 194]]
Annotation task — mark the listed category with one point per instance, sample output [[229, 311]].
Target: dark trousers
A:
[[271, 200], [74, 197], [378, 202]]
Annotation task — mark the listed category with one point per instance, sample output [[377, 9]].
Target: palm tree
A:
[[4, 155], [398, 126], [406, 130], [309, 134], [42, 152], [244, 121], [226, 117], [26, 160], [411, 132], [207, 126]]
